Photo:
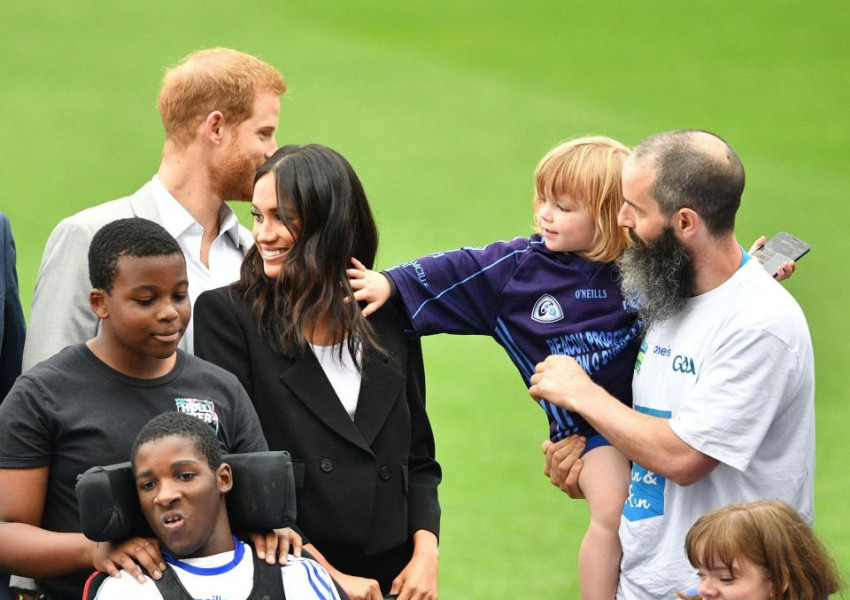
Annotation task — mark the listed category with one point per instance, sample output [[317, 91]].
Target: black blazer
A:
[[369, 483]]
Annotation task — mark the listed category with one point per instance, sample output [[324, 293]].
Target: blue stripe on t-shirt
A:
[[653, 412], [559, 415], [239, 552], [565, 423], [316, 580], [525, 365], [466, 279], [744, 256]]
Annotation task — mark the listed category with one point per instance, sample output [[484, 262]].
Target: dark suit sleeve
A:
[[14, 328], [424, 470], [220, 337]]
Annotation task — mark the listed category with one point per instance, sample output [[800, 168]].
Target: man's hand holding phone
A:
[[779, 254]]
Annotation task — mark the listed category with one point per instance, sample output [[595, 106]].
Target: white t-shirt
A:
[[215, 578], [225, 257], [342, 374], [734, 373]]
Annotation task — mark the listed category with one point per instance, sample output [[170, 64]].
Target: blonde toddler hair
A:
[[589, 170]]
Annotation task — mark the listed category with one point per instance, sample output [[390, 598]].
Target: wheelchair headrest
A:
[[262, 497]]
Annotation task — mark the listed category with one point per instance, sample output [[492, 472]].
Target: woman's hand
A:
[[276, 545], [358, 588], [783, 272], [418, 580], [370, 287], [111, 558]]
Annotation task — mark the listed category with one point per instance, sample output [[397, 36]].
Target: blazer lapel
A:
[[307, 381], [144, 205], [381, 386]]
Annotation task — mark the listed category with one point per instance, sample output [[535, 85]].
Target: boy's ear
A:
[[225, 478], [98, 300]]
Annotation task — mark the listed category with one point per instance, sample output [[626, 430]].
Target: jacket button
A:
[[327, 465], [385, 473]]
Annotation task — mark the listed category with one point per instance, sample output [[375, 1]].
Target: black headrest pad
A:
[[262, 498]]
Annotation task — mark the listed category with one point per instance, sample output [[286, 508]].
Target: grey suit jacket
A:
[[61, 314]]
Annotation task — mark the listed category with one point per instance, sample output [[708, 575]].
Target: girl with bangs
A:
[[759, 551], [555, 292], [343, 395]]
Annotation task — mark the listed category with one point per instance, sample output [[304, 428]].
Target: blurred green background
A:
[[444, 107]]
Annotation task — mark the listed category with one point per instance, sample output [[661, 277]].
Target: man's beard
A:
[[658, 275], [233, 174]]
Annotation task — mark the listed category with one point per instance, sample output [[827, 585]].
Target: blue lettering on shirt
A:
[[646, 489], [592, 350], [683, 364]]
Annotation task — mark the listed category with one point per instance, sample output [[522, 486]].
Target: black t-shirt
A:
[[72, 412]]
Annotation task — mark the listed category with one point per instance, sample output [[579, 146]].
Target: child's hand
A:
[[785, 271], [369, 286]]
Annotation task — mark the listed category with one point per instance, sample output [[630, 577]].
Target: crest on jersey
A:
[[547, 310]]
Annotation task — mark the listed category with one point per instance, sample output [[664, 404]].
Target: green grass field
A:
[[444, 108]]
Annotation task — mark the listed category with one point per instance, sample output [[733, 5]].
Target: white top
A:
[[343, 375], [734, 373], [225, 257], [303, 579]]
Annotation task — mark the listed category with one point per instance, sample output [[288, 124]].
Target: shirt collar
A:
[[229, 224], [176, 219]]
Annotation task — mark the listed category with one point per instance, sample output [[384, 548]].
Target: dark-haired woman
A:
[[345, 396]]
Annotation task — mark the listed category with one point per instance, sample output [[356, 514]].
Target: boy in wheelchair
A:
[[181, 481]]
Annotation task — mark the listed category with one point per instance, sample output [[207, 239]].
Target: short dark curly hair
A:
[[126, 237], [180, 425]]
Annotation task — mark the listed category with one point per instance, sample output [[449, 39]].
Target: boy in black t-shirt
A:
[[85, 405]]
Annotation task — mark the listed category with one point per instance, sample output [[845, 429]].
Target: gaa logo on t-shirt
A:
[[202, 409], [547, 310], [683, 364]]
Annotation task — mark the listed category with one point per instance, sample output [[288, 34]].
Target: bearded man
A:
[[220, 111], [724, 383]]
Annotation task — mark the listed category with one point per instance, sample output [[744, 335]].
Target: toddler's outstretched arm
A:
[[369, 286]]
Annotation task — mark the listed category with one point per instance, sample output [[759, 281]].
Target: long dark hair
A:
[[322, 202]]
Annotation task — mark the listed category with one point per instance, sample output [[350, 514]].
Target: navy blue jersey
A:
[[534, 303]]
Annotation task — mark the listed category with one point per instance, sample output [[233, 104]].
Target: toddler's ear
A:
[[99, 302]]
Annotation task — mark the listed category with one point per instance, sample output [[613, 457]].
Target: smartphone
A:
[[779, 249]]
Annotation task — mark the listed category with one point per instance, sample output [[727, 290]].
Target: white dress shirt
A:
[[225, 256]]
